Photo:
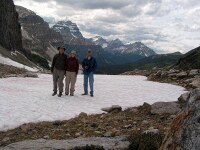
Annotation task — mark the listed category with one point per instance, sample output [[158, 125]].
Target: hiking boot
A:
[[60, 94], [66, 94], [92, 95], [71, 94], [84, 94], [54, 93]]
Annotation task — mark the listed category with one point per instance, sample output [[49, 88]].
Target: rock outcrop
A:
[[184, 133], [38, 37], [10, 29], [165, 108], [106, 143]]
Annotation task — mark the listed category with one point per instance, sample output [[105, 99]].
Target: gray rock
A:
[[30, 75], [145, 122], [114, 108], [184, 97], [172, 71], [181, 74], [120, 142], [184, 133], [196, 83], [152, 131], [6, 139], [165, 108], [108, 134], [193, 72]]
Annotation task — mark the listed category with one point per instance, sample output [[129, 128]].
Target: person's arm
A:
[[53, 63], [77, 66], [83, 64], [66, 64], [95, 64]]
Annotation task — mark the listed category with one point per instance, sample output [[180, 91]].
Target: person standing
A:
[[58, 69], [89, 66], [72, 67]]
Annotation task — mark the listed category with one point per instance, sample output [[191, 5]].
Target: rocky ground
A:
[[116, 123], [189, 79], [11, 71]]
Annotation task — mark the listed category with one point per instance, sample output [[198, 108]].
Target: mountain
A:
[[138, 48], [11, 48], [70, 33], [37, 37], [68, 29], [148, 63], [117, 46], [9, 26], [190, 60], [98, 40]]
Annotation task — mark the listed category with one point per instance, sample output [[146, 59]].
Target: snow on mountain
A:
[[10, 62], [140, 49], [137, 48], [37, 104], [99, 41], [68, 28]]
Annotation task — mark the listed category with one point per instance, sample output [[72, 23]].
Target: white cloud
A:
[[165, 25]]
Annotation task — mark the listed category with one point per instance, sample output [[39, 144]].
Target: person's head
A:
[[61, 49], [73, 54], [89, 53]]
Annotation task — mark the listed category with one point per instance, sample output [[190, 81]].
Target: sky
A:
[[164, 25]]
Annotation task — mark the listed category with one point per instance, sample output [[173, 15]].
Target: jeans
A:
[[89, 77]]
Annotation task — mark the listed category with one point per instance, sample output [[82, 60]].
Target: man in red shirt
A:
[[72, 67]]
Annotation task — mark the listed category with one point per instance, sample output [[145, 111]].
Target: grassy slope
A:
[[18, 58], [158, 61]]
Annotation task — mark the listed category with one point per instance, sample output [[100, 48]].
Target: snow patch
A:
[[25, 100], [10, 62]]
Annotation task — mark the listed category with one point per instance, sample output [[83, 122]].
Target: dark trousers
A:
[[58, 77]]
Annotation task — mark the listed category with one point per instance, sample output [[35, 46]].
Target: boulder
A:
[[119, 142], [184, 97], [172, 71], [30, 75], [184, 131], [182, 74], [114, 108], [165, 108], [196, 83], [152, 131], [193, 72]]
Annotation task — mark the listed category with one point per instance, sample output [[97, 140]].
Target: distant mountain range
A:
[[164, 61]]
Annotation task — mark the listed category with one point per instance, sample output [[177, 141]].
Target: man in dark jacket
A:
[[58, 69], [89, 66]]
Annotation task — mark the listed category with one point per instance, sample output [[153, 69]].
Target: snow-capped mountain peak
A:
[[98, 40], [68, 28]]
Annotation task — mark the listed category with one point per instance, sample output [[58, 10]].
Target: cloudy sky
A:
[[164, 25]]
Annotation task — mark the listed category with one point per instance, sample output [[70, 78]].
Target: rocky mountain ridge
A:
[[9, 26]]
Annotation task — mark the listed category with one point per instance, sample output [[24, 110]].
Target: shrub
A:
[[89, 147], [147, 141]]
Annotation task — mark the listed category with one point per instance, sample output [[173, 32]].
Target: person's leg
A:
[[91, 81], [73, 81], [55, 81], [67, 82], [85, 84], [61, 74]]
